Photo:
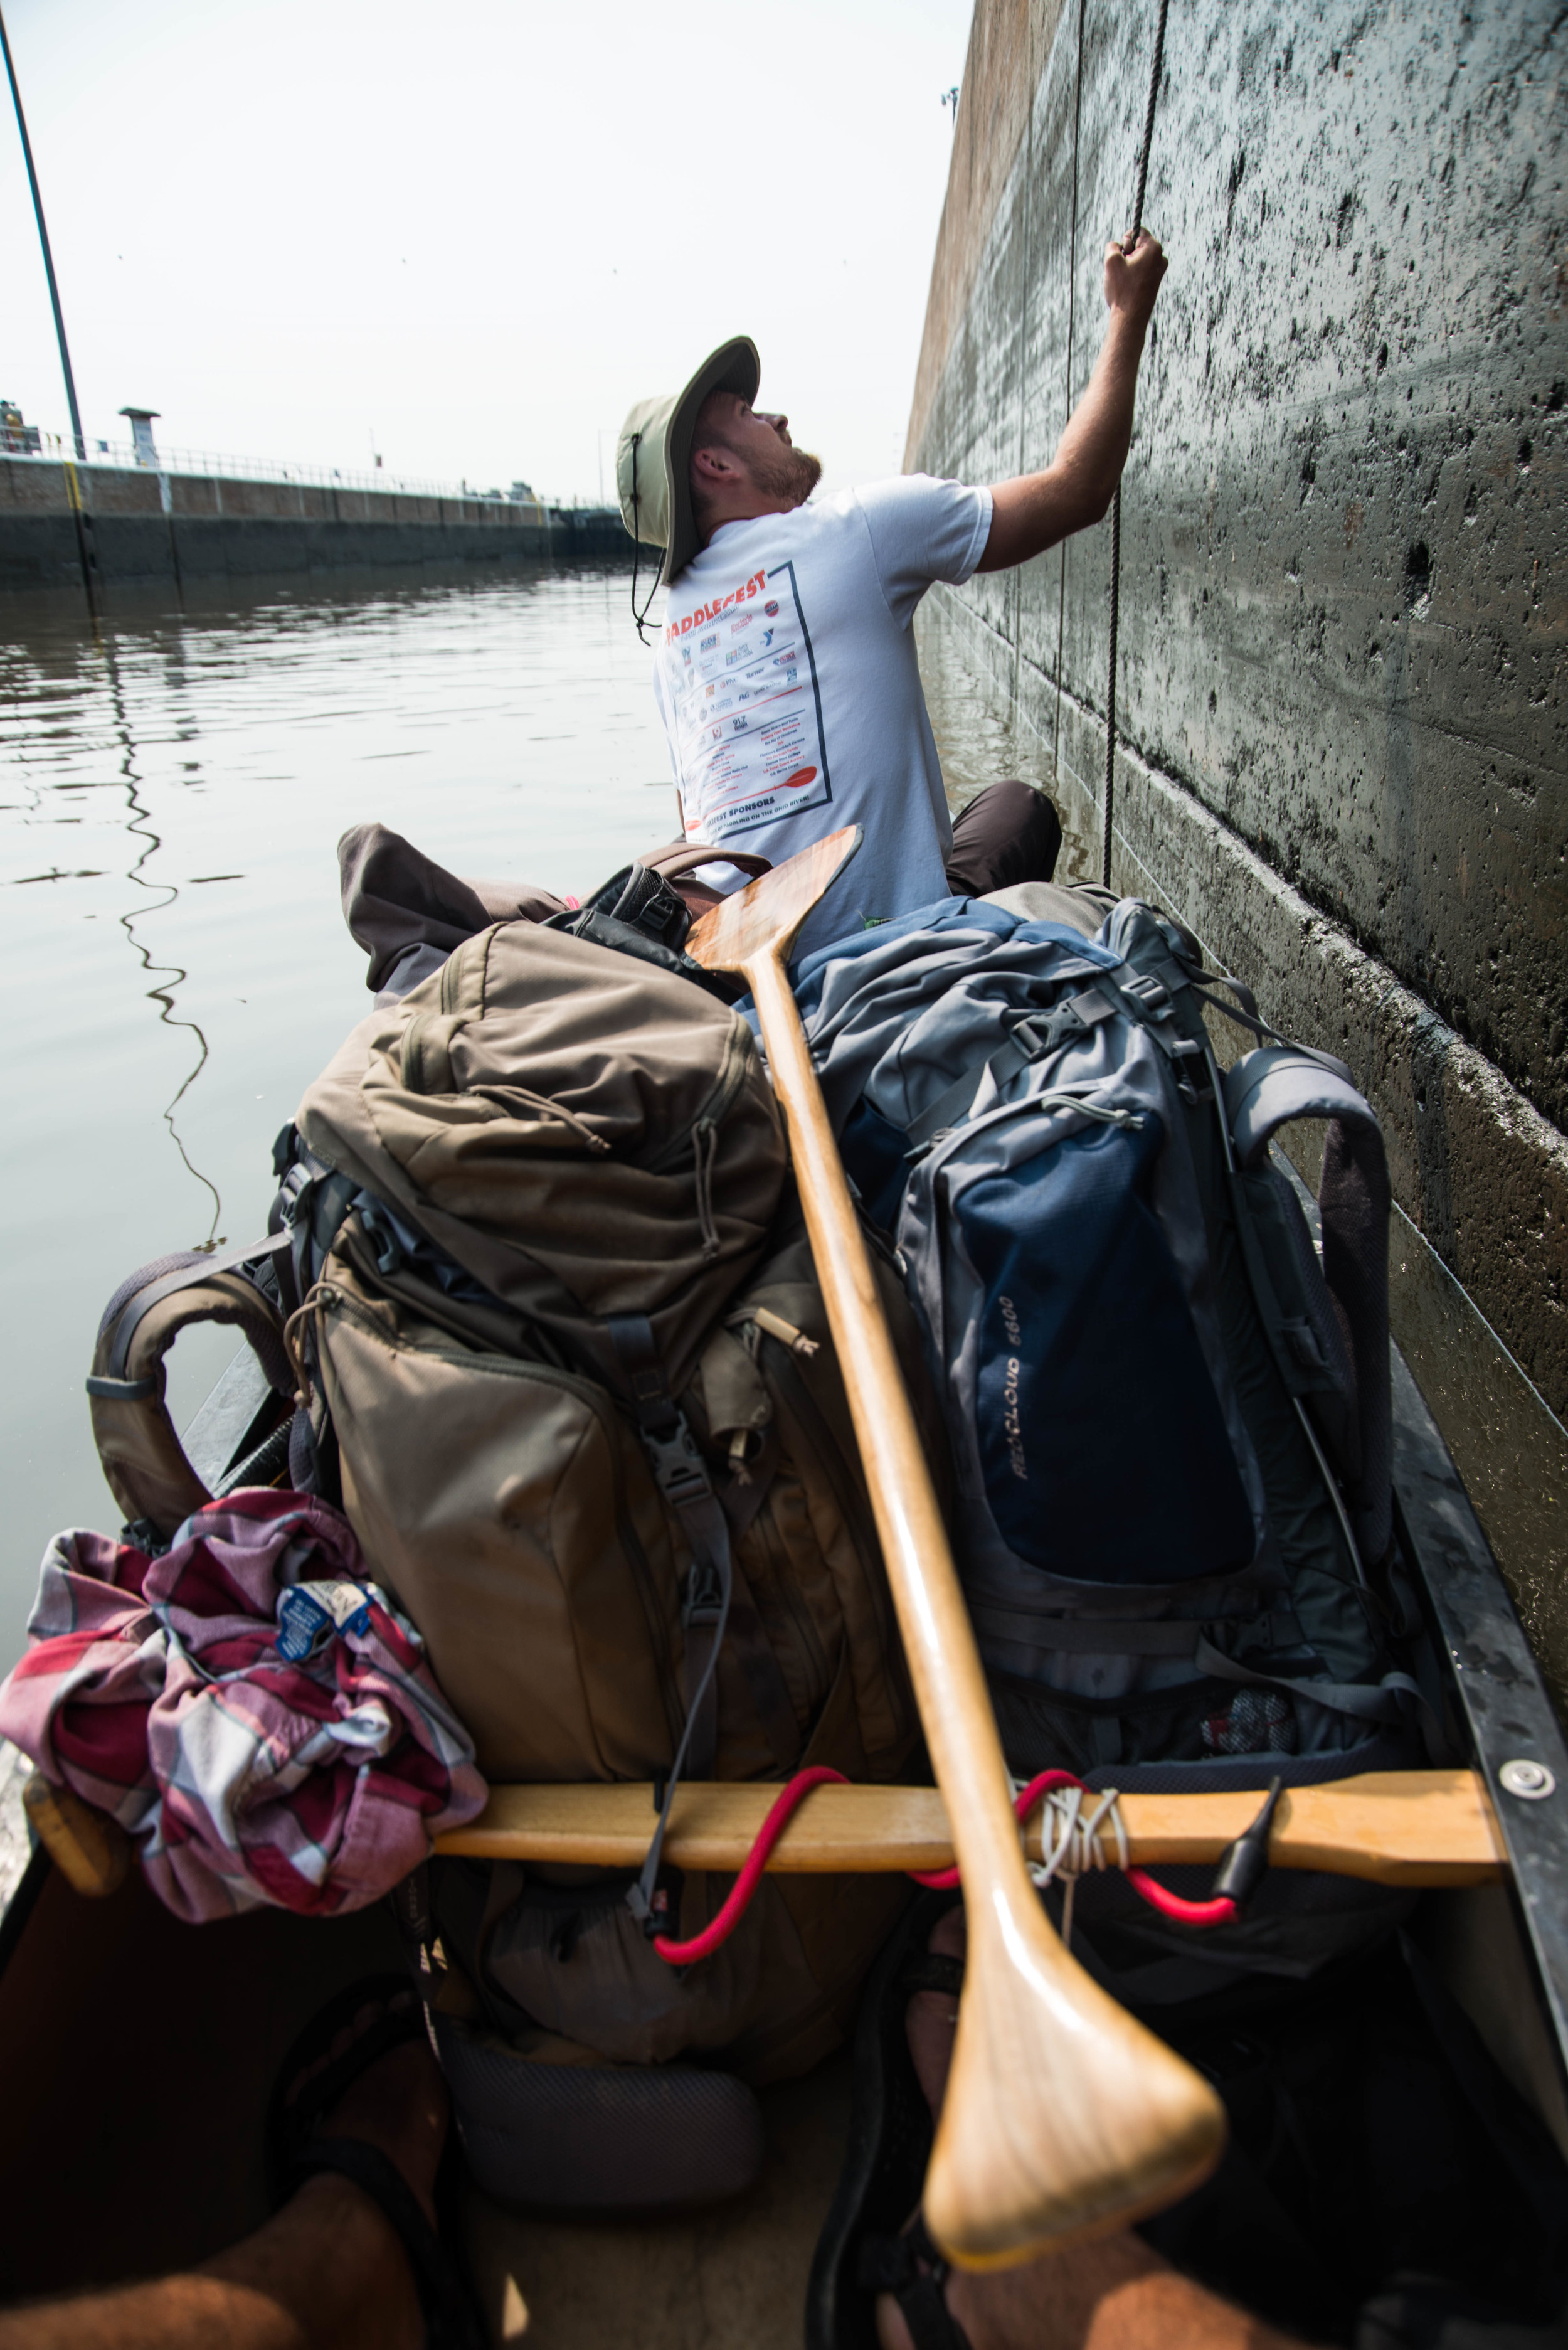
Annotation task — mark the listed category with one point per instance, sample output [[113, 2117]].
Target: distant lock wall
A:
[[84, 525], [1341, 699]]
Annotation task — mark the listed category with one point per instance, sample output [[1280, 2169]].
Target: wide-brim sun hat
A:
[[653, 455]]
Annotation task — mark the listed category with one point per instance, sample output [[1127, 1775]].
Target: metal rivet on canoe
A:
[[1530, 1780]]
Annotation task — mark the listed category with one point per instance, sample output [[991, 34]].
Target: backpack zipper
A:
[[717, 1107]]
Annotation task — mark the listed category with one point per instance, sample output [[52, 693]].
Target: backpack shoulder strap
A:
[[1263, 1091], [142, 1458], [1268, 1087]]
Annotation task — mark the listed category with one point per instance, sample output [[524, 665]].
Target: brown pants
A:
[[409, 914]]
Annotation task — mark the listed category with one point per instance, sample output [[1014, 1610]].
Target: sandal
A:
[[865, 2247], [295, 2153]]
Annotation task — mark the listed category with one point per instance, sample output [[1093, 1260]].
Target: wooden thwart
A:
[[1390, 1827]]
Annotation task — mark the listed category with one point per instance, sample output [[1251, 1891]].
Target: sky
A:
[[468, 238]]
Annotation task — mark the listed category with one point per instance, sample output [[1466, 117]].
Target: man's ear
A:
[[717, 466]]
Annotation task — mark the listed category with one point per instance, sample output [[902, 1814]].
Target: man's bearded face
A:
[[785, 472], [761, 444]]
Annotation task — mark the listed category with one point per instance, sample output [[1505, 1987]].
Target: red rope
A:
[[702, 1945], [790, 1797], [1171, 1905]]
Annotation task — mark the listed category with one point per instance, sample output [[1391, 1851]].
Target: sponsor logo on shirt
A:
[[771, 610], [707, 643]]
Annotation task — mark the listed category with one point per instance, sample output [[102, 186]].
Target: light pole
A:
[[48, 257]]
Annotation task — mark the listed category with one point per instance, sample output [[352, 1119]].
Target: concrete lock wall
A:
[[1340, 704], [146, 524]]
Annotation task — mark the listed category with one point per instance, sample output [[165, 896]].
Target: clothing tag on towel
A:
[[308, 1614]]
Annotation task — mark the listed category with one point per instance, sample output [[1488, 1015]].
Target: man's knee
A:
[[1009, 833]]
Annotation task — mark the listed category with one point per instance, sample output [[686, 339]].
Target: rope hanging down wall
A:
[[1108, 810], [1072, 321]]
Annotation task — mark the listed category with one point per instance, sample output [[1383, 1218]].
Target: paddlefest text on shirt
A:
[[743, 688]]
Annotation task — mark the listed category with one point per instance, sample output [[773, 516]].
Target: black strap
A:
[[911, 2269], [187, 1277], [682, 1480]]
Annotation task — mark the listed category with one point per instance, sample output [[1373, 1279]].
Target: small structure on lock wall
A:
[[141, 434], [18, 437]]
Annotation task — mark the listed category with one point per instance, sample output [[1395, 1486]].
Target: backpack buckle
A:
[[677, 1464], [1150, 993], [704, 1594]]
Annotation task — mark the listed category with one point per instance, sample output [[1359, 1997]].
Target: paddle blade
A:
[[1063, 2118], [763, 917]]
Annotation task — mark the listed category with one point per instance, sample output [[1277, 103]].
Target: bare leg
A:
[[328, 2273], [1116, 2295]]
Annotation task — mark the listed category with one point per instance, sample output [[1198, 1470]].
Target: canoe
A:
[[136, 2053]]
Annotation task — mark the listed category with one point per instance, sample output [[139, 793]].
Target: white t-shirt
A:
[[790, 691]]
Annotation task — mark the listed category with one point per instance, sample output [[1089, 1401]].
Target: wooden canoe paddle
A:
[[1064, 2117]]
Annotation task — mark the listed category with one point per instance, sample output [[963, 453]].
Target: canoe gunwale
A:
[[1507, 1711]]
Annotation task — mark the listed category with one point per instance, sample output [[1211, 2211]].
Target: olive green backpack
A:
[[569, 1367]]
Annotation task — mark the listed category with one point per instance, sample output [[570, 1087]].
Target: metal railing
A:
[[55, 447]]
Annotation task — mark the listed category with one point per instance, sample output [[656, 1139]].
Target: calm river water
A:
[[174, 962]]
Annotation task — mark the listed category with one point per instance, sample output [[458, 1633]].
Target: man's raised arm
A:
[[1037, 510]]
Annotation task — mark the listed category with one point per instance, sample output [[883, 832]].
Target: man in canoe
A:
[[786, 674]]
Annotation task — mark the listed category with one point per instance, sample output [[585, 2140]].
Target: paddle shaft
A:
[[1063, 2117], [949, 1686]]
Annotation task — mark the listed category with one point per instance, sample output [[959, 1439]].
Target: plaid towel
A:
[[250, 1706]]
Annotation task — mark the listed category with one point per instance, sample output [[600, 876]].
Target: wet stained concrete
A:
[[1339, 711]]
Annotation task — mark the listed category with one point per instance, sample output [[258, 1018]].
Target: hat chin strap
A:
[[636, 550]]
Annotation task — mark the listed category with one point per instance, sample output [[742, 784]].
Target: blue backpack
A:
[[1169, 1415]]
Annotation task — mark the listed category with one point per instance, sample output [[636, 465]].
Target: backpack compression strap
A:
[[713, 1597]]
